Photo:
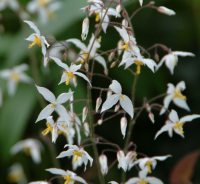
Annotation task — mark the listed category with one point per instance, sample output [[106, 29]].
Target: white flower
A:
[[175, 124], [44, 8], [69, 72], [139, 61], [123, 125], [101, 12], [79, 155], [103, 161], [37, 39], [124, 100], [14, 76], [126, 162], [85, 28], [16, 174], [68, 176], [166, 11], [143, 179], [31, 147], [52, 127], [149, 164], [89, 52], [12, 4], [174, 93], [55, 104], [171, 59]]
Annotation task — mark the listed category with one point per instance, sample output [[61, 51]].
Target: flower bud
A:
[[151, 117], [103, 164], [166, 11], [125, 23], [123, 125], [99, 122], [98, 103], [113, 64], [119, 46], [84, 113], [116, 108], [111, 56], [118, 10], [86, 129], [85, 28]]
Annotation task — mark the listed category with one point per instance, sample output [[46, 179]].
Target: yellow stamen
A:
[[179, 127], [15, 177], [70, 76], [97, 17], [149, 166], [84, 57], [47, 130], [142, 181], [125, 46], [76, 155], [15, 76], [178, 94], [138, 66], [53, 105], [68, 179], [36, 41], [43, 3], [122, 97]]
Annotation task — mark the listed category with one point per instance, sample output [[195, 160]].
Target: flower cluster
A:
[[60, 115]]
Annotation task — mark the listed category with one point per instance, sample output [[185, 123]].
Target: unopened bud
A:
[[86, 129], [113, 64], [99, 122], [103, 161], [118, 10], [116, 108], [84, 113], [111, 56], [125, 23], [123, 125], [98, 103], [151, 117], [166, 11], [85, 28]]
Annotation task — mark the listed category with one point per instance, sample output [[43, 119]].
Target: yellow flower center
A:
[[15, 177], [122, 97], [84, 57], [43, 3], [68, 179], [70, 76], [48, 129], [149, 166], [97, 17], [179, 127], [138, 66], [53, 105], [76, 155], [15, 77], [37, 41], [142, 181], [125, 46], [178, 94]]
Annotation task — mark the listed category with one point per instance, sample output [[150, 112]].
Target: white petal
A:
[[47, 94], [133, 181], [83, 76], [45, 113], [150, 63], [62, 98], [77, 43], [79, 179], [60, 63], [153, 180], [181, 103], [12, 86], [161, 158], [74, 68], [123, 33], [115, 86], [173, 116], [166, 128], [105, 23], [181, 86], [54, 133], [189, 118], [141, 2], [171, 61], [65, 153], [102, 62], [35, 154], [127, 105], [33, 26], [21, 68], [57, 171], [166, 103], [183, 54], [62, 112], [110, 101]]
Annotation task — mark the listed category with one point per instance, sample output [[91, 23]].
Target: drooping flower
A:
[[149, 164], [69, 72], [31, 147], [68, 176], [175, 124], [174, 94], [55, 104], [80, 156], [44, 8], [15, 76], [16, 174], [123, 100], [126, 162], [37, 39], [89, 52], [103, 161], [171, 59], [101, 12]]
